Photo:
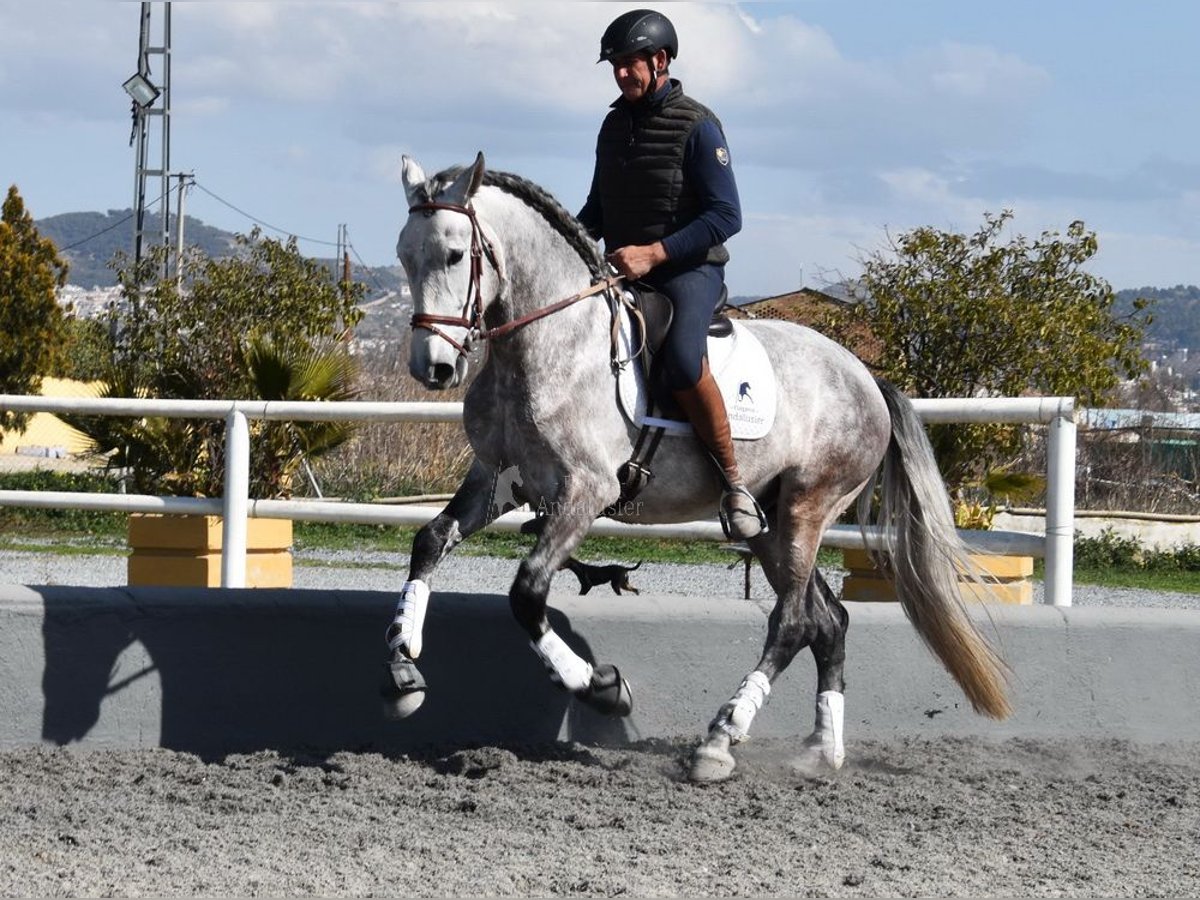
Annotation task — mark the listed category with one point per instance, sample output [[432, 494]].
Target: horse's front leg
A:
[[470, 510], [562, 530]]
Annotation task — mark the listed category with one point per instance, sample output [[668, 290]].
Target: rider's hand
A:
[[636, 260]]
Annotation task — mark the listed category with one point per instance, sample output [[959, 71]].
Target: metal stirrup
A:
[[724, 514]]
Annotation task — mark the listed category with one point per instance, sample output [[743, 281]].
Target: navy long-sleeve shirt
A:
[[708, 168]]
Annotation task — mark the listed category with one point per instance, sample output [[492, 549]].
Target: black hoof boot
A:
[[403, 687], [608, 693]]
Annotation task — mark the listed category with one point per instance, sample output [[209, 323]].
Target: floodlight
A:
[[138, 87]]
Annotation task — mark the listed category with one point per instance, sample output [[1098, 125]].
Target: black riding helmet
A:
[[638, 31]]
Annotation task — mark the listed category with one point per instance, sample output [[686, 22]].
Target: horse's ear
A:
[[477, 171], [466, 184], [413, 177]]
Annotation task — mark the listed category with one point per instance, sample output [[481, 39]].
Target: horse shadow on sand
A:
[[219, 672]]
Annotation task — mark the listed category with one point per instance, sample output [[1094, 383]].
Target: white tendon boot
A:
[[712, 760], [404, 639], [408, 625], [823, 750], [564, 664]]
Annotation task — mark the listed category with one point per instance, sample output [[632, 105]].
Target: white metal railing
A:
[[236, 507]]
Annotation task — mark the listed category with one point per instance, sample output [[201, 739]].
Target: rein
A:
[[472, 314]]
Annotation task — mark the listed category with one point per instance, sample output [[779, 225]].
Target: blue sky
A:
[[846, 120]]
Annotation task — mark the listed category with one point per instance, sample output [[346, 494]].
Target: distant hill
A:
[[88, 240], [1176, 312]]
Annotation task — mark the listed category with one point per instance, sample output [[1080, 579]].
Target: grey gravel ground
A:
[[373, 570]]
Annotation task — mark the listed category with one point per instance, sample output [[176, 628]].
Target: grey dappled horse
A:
[[491, 256]]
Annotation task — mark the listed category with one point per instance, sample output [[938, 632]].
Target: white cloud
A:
[[775, 253], [837, 140], [975, 73], [787, 94], [930, 196]]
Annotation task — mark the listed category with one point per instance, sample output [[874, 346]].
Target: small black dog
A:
[[592, 576]]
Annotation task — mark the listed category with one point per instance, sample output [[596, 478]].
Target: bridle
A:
[[472, 314]]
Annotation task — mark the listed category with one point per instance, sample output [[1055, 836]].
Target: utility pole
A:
[[151, 102], [342, 258], [185, 181]]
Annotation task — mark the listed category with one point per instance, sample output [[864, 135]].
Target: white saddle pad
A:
[[743, 372]]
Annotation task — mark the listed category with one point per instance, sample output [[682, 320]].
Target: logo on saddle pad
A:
[[743, 372]]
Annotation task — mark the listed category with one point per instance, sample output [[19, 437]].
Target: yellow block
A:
[[879, 590], [185, 551], [47, 430], [263, 570], [203, 533], [1005, 579]]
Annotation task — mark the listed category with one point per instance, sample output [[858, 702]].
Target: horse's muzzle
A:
[[437, 376]]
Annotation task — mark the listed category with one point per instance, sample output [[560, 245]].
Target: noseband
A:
[[472, 314]]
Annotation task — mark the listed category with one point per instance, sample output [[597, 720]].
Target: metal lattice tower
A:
[[152, 113]]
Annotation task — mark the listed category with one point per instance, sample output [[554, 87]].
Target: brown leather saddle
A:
[[651, 313]]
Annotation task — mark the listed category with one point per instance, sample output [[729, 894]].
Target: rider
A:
[[664, 200]]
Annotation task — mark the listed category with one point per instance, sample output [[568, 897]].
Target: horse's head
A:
[[451, 268]]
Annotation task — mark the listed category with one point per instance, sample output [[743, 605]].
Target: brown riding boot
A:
[[741, 516]]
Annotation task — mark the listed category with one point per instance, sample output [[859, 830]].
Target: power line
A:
[[259, 221], [370, 271], [255, 219], [96, 235], [92, 237]]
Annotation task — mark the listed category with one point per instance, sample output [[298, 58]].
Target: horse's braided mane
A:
[[543, 203]]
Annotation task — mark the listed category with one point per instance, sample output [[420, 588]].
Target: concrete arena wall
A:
[[212, 671]]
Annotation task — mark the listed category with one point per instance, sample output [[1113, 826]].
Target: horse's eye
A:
[[454, 257]]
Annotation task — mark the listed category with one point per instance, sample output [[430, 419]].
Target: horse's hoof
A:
[[403, 688], [711, 764], [404, 705], [608, 693]]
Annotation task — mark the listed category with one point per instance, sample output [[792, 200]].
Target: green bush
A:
[[83, 521], [263, 324], [1178, 559], [31, 321], [1108, 551], [1112, 552]]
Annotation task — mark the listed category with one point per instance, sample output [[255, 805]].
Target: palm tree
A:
[[186, 457], [280, 449]]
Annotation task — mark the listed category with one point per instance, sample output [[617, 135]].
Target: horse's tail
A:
[[924, 554]]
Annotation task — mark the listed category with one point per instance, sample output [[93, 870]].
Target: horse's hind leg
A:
[[470, 510], [788, 552], [824, 749], [806, 613]]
